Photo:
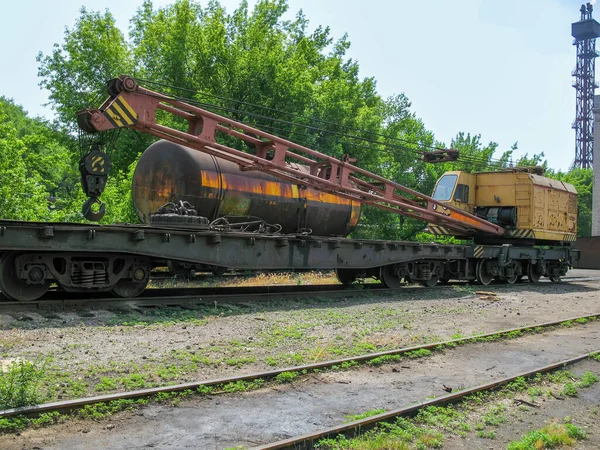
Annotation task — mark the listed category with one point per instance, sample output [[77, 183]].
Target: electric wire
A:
[[475, 160], [290, 113]]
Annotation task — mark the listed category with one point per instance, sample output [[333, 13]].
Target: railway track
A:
[[354, 428], [71, 405], [191, 297]]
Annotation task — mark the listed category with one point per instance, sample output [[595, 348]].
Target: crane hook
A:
[[89, 213]]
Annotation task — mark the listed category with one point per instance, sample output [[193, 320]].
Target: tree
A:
[[22, 193], [582, 180]]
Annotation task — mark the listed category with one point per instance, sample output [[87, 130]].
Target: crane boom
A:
[[130, 105]]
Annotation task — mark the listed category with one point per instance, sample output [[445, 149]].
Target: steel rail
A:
[[155, 297], [306, 441], [69, 405], [198, 296]]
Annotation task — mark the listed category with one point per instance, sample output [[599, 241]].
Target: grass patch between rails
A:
[[478, 416]]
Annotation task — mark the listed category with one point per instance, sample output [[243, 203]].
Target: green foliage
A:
[[20, 384], [370, 413], [552, 435], [587, 379], [287, 377], [421, 353], [570, 390], [582, 180], [106, 384]]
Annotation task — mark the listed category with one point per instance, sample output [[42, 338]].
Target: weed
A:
[[106, 384], [287, 377], [486, 434], [587, 379], [239, 362], [518, 385], [204, 390], [495, 415], [421, 353], [243, 386], [384, 360], [560, 376], [20, 384], [134, 381], [372, 412], [570, 390], [551, 436], [534, 391], [595, 356]]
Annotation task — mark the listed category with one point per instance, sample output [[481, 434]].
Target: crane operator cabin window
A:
[[445, 187]]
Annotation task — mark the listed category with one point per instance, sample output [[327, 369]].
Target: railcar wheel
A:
[[132, 287], [532, 274], [15, 288], [431, 282], [346, 276], [484, 275], [219, 271], [389, 277], [179, 269], [513, 279]]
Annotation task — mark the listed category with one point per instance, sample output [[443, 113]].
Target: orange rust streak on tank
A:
[[210, 179]]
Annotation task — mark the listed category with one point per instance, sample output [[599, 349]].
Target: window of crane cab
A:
[[462, 193], [445, 187]]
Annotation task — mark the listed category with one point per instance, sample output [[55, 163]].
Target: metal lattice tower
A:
[[585, 33]]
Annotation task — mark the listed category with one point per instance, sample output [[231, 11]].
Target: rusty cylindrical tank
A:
[[168, 172]]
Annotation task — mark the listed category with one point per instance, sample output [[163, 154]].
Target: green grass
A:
[[552, 435], [587, 379], [287, 377], [372, 412]]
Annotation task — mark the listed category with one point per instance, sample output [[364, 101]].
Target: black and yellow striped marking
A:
[[478, 252], [569, 237], [98, 164], [120, 113], [522, 234], [438, 230]]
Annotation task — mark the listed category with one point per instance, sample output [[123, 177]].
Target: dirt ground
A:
[[168, 347]]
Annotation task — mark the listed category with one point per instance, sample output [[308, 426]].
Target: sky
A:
[[499, 68]]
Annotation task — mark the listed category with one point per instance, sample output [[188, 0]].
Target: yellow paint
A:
[[122, 114], [545, 206], [114, 116], [128, 107]]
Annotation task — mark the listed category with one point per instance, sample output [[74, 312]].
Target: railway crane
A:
[[506, 215]]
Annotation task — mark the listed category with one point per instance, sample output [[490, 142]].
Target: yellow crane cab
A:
[[525, 203]]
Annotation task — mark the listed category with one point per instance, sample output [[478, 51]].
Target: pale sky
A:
[[499, 68]]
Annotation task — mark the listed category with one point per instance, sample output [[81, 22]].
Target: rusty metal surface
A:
[[133, 106], [169, 172], [589, 248]]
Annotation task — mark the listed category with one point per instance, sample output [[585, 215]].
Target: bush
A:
[[20, 384]]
